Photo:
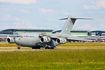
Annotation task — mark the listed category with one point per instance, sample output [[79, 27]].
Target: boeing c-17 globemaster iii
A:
[[49, 41]]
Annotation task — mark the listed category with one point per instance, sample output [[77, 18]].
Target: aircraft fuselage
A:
[[28, 40]]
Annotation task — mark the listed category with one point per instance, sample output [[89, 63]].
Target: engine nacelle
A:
[[10, 40], [45, 39], [61, 40]]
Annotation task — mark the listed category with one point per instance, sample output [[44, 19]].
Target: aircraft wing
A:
[[66, 36], [78, 39]]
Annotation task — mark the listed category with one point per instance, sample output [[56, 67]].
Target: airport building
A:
[[81, 33], [49, 31], [77, 32], [15, 32], [101, 34], [20, 31], [95, 33]]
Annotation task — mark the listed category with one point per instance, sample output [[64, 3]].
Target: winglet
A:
[[77, 18]]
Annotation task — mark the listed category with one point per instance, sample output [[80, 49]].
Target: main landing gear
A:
[[48, 47], [35, 47]]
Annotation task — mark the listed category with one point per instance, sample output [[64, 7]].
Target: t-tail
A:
[[69, 24]]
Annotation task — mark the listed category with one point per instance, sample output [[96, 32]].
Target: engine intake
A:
[[10, 40], [61, 40], [45, 39]]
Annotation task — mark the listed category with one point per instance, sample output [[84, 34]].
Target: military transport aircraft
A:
[[49, 41]]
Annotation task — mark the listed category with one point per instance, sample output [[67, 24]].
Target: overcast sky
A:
[[45, 14]]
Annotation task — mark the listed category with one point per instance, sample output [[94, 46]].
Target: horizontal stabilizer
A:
[[63, 19], [77, 18], [83, 18]]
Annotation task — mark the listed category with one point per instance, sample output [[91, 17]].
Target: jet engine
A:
[[10, 40], [45, 39], [61, 40]]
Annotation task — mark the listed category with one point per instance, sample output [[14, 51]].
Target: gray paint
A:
[[68, 25], [33, 40]]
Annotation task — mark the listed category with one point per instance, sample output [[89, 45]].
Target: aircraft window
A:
[[26, 36], [31, 36]]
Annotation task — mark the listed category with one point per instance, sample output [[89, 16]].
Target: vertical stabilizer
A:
[[68, 25]]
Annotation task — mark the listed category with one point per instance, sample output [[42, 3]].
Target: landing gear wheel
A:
[[18, 47], [47, 47], [35, 47], [52, 48]]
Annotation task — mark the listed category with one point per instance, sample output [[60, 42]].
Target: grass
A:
[[56, 59], [84, 44], [77, 59], [8, 45], [67, 44]]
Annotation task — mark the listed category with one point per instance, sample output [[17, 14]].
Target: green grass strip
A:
[[61, 59]]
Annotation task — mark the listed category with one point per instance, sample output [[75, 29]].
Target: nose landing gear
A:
[[18, 47]]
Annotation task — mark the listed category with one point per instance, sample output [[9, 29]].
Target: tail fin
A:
[[69, 24]]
